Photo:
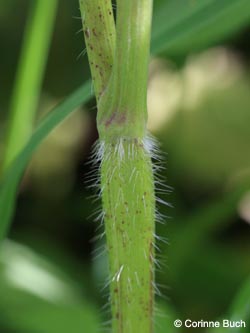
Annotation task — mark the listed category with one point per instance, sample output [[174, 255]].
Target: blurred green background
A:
[[52, 272]]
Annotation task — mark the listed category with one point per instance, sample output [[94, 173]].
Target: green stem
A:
[[29, 77], [122, 108], [129, 211], [127, 184], [99, 32]]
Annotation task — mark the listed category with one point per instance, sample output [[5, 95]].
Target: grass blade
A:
[[14, 173], [29, 77]]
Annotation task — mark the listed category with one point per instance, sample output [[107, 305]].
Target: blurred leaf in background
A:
[[37, 297]]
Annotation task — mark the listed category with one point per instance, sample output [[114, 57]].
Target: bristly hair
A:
[[102, 151]]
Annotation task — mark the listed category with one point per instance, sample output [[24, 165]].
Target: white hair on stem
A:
[[104, 151]]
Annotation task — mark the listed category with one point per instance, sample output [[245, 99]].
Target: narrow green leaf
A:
[[14, 173], [29, 77], [181, 26]]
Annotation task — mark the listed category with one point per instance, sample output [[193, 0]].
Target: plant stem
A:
[[127, 184], [99, 32], [128, 199], [122, 109], [29, 77]]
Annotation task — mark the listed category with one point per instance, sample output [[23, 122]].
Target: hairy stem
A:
[[127, 184], [129, 212], [29, 77]]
